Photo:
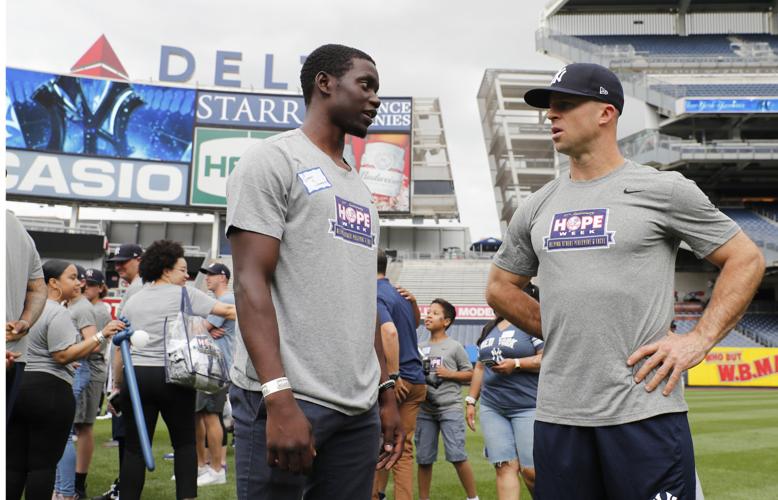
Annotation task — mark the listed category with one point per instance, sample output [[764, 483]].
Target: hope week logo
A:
[[579, 230], [353, 223]]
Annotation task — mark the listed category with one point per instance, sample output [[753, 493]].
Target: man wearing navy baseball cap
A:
[[209, 407], [127, 264], [603, 238]]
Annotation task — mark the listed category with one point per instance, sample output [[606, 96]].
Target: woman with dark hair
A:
[[164, 273], [506, 379], [44, 411]]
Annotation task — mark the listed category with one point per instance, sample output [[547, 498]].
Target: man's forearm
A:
[[255, 306], [391, 347], [378, 344], [735, 287], [516, 306], [34, 301]]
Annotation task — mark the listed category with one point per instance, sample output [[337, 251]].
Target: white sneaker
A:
[[212, 477], [201, 470]]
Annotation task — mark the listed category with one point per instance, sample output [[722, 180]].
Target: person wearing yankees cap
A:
[[603, 238]]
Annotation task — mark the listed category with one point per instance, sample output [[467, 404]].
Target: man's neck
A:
[[326, 136], [438, 335], [219, 291], [595, 163], [381, 276]]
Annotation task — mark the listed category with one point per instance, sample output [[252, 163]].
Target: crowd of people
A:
[[330, 388]]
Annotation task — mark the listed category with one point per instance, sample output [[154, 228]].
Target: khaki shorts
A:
[[89, 401]]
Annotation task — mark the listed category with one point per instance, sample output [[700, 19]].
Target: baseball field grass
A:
[[735, 438]]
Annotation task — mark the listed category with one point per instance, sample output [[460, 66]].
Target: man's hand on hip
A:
[[673, 354]]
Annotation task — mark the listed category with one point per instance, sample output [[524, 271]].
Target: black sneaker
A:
[[111, 494]]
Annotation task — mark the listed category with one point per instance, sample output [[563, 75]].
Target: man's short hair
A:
[[333, 59], [449, 311], [383, 262]]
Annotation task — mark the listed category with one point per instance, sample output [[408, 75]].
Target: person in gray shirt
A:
[[447, 367], [152, 309], [309, 365], [126, 261], [39, 426], [602, 240], [25, 297]]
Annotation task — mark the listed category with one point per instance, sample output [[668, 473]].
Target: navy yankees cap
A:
[[216, 268], [95, 277], [81, 272], [126, 252], [584, 79]]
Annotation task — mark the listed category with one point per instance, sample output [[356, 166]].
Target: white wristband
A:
[[100, 337], [275, 385]]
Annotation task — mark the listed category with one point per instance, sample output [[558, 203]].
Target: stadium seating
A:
[[685, 324], [680, 46], [719, 89], [461, 282], [762, 231], [670, 45], [761, 326]]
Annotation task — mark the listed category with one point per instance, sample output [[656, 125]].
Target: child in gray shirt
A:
[[446, 367]]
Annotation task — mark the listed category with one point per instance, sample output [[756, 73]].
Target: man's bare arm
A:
[[290, 441], [505, 294], [391, 346], [34, 302], [742, 267]]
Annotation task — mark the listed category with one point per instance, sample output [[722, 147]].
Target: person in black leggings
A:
[[164, 272], [40, 424]]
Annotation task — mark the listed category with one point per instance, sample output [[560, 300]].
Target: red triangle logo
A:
[[100, 60]]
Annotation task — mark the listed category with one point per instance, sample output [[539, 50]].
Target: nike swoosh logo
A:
[[630, 191]]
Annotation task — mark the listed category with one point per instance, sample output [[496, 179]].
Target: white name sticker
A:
[[314, 180], [508, 333]]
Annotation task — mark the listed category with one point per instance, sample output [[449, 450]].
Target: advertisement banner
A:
[[737, 367], [382, 160], [755, 105], [43, 175], [466, 312], [384, 163], [216, 152], [285, 112], [97, 117]]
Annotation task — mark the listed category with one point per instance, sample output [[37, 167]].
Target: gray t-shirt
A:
[[604, 252], [22, 264], [97, 359], [444, 395], [54, 331], [324, 285], [83, 313], [227, 341], [134, 287], [150, 307]]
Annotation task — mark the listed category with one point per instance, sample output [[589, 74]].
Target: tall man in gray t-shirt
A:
[[602, 240], [309, 364], [25, 297]]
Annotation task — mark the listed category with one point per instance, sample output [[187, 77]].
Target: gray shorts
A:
[[89, 400], [452, 425], [211, 403]]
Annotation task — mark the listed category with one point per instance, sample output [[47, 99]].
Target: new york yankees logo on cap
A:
[[582, 79]]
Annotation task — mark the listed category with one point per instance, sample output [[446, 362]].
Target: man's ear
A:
[[608, 113], [324, 83]]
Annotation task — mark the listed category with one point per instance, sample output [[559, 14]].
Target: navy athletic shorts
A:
[[651, 459]]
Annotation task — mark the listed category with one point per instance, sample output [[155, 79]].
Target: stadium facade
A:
[[94, 138], [707, 72]]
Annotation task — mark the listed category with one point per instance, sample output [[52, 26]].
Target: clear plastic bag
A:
[[192, 357]]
